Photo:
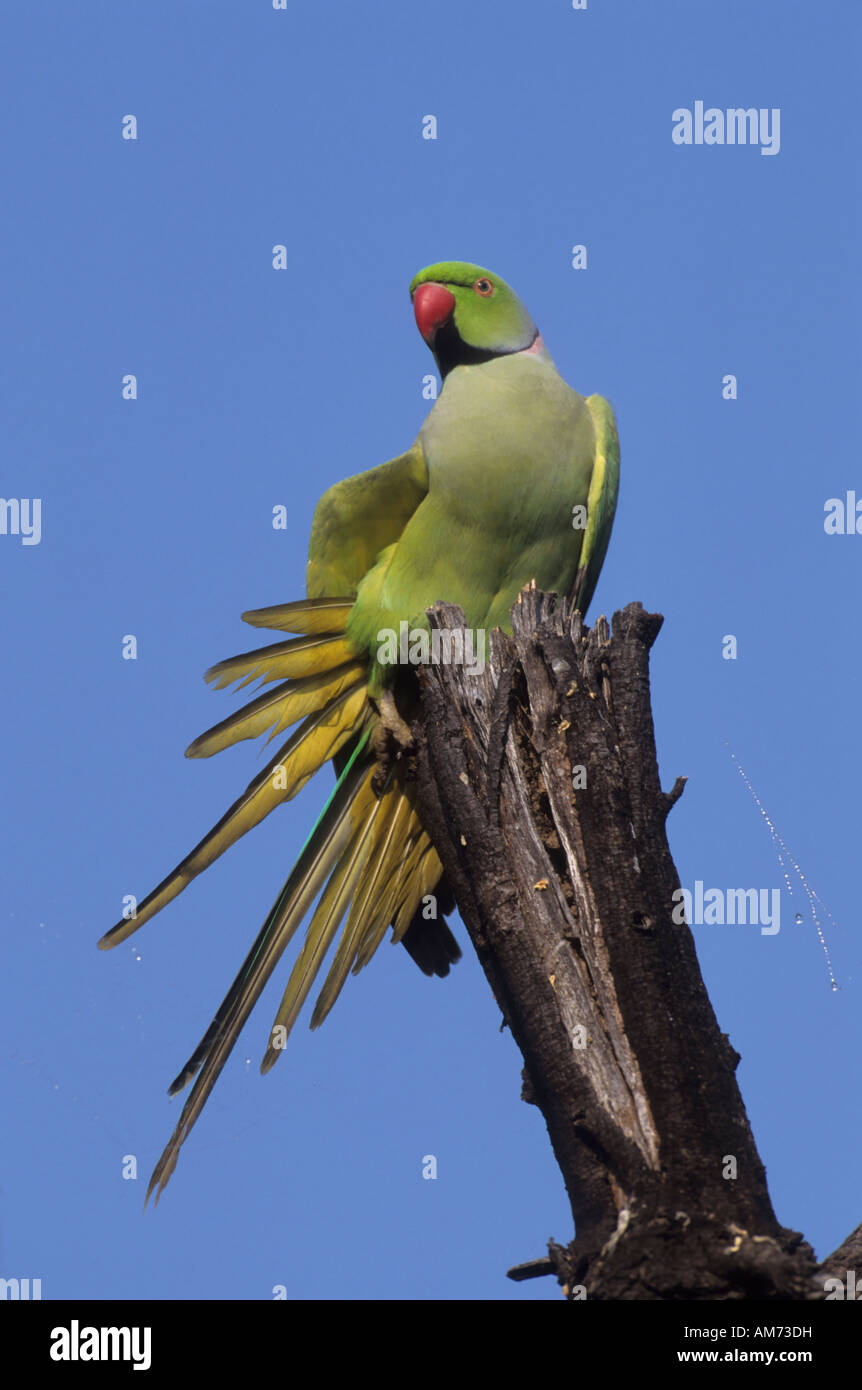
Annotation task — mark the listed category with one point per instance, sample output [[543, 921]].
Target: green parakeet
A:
[[483, 502]]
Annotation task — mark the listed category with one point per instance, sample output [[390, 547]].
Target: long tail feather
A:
[[317, 860], [277, 709], [407, 853], [308, 615], [369, 902], [316, 741], [367, 857], [423, 878], [298, 656], [366, 813]]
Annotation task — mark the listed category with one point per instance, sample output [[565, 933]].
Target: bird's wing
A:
[[357, 518], [602, 501]]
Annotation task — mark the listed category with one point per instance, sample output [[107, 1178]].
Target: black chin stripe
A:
[[450, 350]]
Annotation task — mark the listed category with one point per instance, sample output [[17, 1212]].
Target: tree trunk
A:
[[539, 786]]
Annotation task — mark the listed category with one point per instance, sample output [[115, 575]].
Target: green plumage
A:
[[481, 504], [509, 450]]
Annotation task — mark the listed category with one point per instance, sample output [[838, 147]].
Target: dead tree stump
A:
[[539, 786]]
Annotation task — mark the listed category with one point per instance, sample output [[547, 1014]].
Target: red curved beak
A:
[[432, 305]]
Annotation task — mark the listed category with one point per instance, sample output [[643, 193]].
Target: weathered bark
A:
[[567, 893]]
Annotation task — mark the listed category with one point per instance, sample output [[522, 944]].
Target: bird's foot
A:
[[392, 739]]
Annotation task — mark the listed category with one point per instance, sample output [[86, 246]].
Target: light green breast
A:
[[510, 449]]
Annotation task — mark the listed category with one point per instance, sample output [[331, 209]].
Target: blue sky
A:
[[259, 388]]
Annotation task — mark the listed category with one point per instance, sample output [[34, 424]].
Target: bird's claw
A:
[[391, 740]]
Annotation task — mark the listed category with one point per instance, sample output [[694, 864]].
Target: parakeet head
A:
[[468, 315]]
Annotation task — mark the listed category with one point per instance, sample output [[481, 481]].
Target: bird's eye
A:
[[484, 287]]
